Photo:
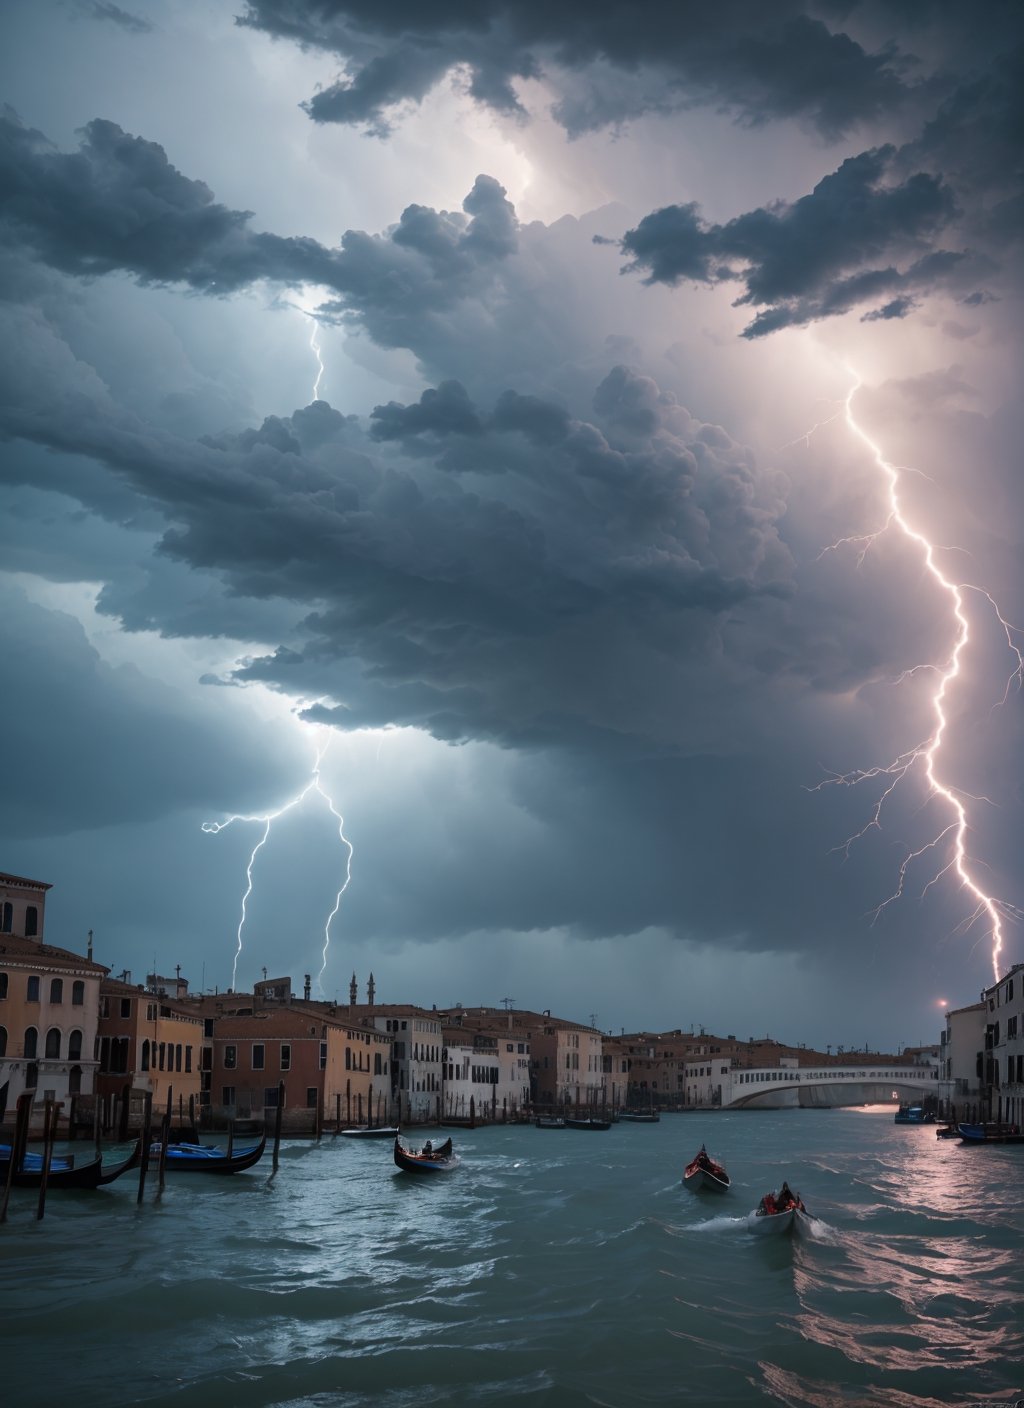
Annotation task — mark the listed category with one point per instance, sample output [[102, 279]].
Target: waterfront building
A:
[[489, 1069], [49, 1001], [416, 1059], [962, 1058], [150, 1044], [1004, 1046]]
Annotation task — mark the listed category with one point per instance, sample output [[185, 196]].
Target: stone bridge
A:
[[829, 1088]]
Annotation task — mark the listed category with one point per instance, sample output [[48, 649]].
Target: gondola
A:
[[990, 1134], [207, 1158], [587, 1124], [776, 1212], [377, 1131], [439, 1160], [703, 1172], [635, 1117], [63, 1172]]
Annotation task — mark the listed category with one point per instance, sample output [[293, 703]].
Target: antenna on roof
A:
[[593, 1019], [508, 1003]]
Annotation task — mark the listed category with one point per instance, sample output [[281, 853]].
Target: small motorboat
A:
[[429, 1159], [587, 1124], [549, 1122], [776, 1212], [704, 1172], [376, 1131], [913, 1114], [206, 1158], [947, 1131]]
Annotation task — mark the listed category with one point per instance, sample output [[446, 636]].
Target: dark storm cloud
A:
[[113, 14], [806, 261], [611, 61]]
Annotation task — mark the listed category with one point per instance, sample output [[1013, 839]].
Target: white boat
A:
[[769, 1223]]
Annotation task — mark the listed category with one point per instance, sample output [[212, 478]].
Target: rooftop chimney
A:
[[88, 951], [307, 986]]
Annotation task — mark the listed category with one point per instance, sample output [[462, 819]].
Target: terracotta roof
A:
[[14, 947], [287, 1021], [22, 883]]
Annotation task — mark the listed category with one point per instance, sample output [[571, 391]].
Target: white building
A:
[[1004, 1047], [416, 1045], [961, 1060], [484, 1072]]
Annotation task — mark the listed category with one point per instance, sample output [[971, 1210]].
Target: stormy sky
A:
[[564, 565]]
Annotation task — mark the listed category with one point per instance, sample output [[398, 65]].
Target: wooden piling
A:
[[23, 1111], [277, 1124], [73, 1119], [165, 1137], [337, 1113], [126, 1105], [147, 1136], [97, 1127], [348, 1099], [231, 1137], [49, 1129], [369, 1108]]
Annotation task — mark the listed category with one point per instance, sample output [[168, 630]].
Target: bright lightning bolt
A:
[[928, 751], [315, 784], [314, 346]]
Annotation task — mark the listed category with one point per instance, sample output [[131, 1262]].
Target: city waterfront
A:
[[554, 1267]]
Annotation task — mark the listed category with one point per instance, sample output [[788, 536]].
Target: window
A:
[[208, 1028], [7, 917], [323, 1055], [230, 1058], [228, 1095], [311, 1100], [31, 921], [144, 1063], [3, 985], [56, 989], [270, 1097], [150, 1011], [75, 1080], [78, 994], [75, 1046], [31, 1043], [126, 1007], [32, 989], [286, 1056], [258, 1055], [104, 1006], [376, 1064], [188, 1058]]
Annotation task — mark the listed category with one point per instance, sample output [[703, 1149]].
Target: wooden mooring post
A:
[[277, 1125], [165, 1136], [18, 1142], [147, 1136], [50, 1115], [337, 1113]]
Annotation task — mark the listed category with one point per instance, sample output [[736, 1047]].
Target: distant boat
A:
[[587, 1124], [376, 1131], [703, 1172], [635, 1117], [913, 1114], [948, 1131], [63, 1171], [207, 1158], [549, 1122], [441, 1159]]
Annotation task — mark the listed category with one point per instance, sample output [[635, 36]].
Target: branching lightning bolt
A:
[[315, 784], [927, 752]]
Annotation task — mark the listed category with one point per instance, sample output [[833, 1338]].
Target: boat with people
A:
[[778, 1211], [207, 1158], [439, 1158], [63, 1171], [913, 1114], [705, 1172], [376, 1131], [990, 1133]]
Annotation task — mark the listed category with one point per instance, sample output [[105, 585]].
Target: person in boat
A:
[[428, 1150], [769, 1207], [788, 1199]]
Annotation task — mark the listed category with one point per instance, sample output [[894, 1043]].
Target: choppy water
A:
[[554, 1267]]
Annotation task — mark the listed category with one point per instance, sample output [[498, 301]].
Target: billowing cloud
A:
[[612, 63]]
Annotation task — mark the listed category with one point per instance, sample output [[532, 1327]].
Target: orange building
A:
[[148, 1043]]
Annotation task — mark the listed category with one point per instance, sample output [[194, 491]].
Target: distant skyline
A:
[[457, 402]]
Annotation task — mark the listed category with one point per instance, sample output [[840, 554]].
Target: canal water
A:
[[553, 1267]]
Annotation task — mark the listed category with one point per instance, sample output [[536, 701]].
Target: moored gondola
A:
[[377, 1131], [63, 1171], [207, 1158]]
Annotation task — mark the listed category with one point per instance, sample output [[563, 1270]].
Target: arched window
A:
[[31, 1043], [7, 917], [31, 922], [53, 1044], [32, 989], [3, 1041], [75, 1046], [56, 989], [177, 1057], [77, 994], [75, 1080], [145, 1055]]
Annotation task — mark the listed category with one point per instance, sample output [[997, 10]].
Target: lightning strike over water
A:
[[926, 753], [315, 784]]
